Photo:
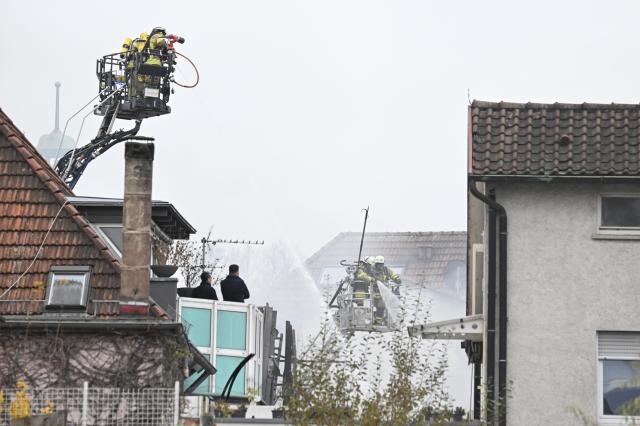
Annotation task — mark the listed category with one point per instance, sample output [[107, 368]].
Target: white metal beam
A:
[[465, 328]]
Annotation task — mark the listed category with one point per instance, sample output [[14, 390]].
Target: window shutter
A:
[[618, 345]]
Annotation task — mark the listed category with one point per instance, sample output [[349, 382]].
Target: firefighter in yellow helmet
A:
[[136, 87], [139, 43], [126, 45], [157, 42], [373, 270]]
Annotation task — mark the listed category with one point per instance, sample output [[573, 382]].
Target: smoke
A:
[[275, 275]]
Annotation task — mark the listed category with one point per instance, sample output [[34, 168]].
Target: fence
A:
[[96, 406]]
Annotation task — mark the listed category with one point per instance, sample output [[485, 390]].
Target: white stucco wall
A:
[[563, 287]]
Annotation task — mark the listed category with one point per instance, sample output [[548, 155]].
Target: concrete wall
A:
[[564, 285]]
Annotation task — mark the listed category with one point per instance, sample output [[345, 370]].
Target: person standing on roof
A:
[[205, 290], [233, 287]]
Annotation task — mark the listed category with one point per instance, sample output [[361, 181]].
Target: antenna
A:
[[206, 241], [364, 228]]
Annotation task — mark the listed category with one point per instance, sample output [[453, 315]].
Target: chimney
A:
[[136, 229]]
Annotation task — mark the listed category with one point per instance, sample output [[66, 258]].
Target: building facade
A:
[[64, 319], [554, 228]]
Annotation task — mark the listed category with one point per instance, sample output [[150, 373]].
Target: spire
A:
[[57, 84]]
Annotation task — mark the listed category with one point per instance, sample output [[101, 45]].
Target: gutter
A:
[[496, 211], [93, 324], [553, 178]]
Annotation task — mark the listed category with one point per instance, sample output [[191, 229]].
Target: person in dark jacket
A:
[[204, 290], [233, 287]]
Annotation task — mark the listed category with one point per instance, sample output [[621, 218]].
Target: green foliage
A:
[[382, 379]]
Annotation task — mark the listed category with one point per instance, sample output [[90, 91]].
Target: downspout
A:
[[495, 209]]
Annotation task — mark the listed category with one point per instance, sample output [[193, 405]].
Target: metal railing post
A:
[[85, 403], [176, 402]]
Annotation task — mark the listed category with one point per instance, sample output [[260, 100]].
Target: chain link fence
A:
[[93, 406]]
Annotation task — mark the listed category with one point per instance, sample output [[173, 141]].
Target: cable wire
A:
[[187, 86], [37, 253]]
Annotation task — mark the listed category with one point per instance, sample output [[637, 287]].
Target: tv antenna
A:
[[207, 242]]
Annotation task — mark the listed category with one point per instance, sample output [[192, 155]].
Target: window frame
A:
[[86, 287], [615, 230], [610, 419], [112, 246]]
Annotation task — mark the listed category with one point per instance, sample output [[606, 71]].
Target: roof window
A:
[[68, 287]]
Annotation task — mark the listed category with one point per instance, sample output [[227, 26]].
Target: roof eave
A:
[[93, 324], [553, 178]]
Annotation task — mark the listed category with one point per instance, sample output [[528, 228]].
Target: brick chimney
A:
[[136, 229]]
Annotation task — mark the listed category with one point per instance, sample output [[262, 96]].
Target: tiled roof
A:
[[424, 256], [31, 194], [575, 140]]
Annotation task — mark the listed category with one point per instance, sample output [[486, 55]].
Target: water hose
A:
[[187, 86]]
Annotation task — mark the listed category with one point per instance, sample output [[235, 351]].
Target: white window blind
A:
[[618, 345]]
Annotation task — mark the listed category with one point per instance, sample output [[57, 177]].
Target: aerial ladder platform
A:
[[134, 84]]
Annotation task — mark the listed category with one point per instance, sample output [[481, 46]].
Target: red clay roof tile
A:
[[31, 194]]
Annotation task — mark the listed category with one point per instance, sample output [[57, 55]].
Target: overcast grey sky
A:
[[308, 111]]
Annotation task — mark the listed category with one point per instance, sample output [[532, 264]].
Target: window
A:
[[619, 213], [619, 377], [68, 287], [112, 233]]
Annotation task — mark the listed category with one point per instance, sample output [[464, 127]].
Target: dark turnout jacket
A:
[[234, 289], [204, 291]]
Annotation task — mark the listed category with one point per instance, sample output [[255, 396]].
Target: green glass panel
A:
[[203, 388], [226, 365], [198, 324], [231, 330]]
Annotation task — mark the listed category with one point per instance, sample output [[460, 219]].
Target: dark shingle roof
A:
[[31, 193], [424, 256], [581, 140]]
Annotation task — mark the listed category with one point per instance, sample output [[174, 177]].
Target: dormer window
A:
[[68, 287]]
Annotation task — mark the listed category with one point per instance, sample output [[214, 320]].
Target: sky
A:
[[309, 111]]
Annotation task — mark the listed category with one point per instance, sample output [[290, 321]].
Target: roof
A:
[[31, 194], [554, 140], [424, 257], [163, 213]]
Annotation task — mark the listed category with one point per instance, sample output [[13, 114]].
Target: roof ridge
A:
[[54, 183]]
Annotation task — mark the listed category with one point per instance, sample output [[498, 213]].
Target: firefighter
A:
[[126, 45], [382, 273], [371, 271], [157, 41], [139, 43], [136, 88]]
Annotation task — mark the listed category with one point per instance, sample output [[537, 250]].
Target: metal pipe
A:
[[491, 301], [502, 316], [496, 211], [364, 228]]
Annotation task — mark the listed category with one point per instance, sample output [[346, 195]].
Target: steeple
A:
[[57, 84], [53, 143]]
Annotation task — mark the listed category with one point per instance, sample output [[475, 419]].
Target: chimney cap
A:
[[139, 150]]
